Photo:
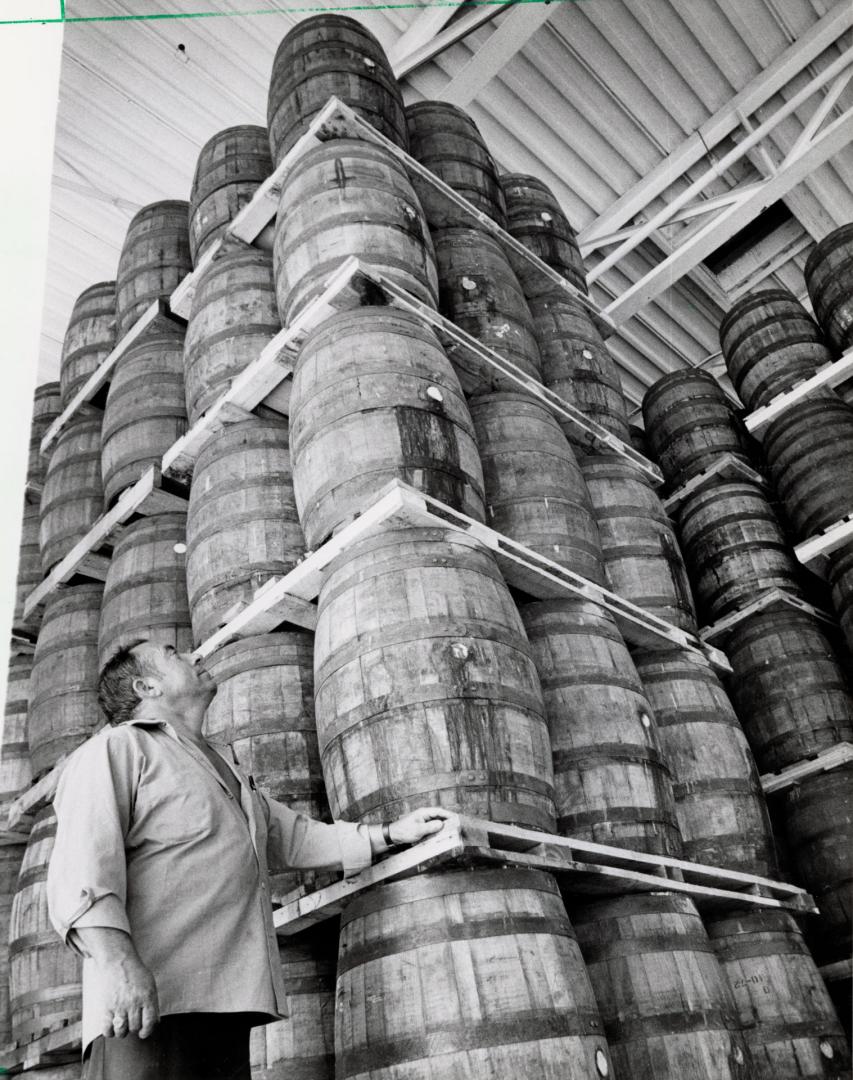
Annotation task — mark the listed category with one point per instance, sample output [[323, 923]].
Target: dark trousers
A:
[[188, 1046]]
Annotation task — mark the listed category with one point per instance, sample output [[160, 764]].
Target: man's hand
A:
[[129, 988], [420, 823]]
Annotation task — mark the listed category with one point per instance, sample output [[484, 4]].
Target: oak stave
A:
[[348, 197], [536, 219], [89, 339], [155, 258], [841, 589], [145, 593], [829, 280], [612, 783], [479, 293], [242, 525], [719, 802], [770, 342], [782, 1002], [668, 1013], [534, 489], [16, 772], [425, 690], [642, 559], [735, 547], [375, 398], [145, 411], [448, 142], [326, 55], [233, 317], [10, 865], [465, 973], [231, 166], [63, 709], [787, 687], [47, 405], [73, 496], [29, 569]]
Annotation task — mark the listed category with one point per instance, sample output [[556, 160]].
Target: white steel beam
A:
[[404, 65], [520, 24], [726, 120], [717, 231], [432, 18]]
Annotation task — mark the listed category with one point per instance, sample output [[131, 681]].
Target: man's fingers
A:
[[107, 1026], [134, 1018], [150, 1016], [120, 1025]]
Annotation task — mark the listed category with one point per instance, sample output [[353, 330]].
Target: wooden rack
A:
[[827, 376], [585, 869], [840, 754], [773, 598], [289, 598], [57, 1047], [816, 548], [726, 467], [837, 972]]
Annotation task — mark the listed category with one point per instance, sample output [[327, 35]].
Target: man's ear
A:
[[145, 687]]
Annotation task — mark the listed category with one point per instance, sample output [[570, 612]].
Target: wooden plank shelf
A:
[[21, 644], [828, 376], [290, 598], [101, 376], [773, 598], [57, 1047], [826, 541], [826, 760], [726, 467], [837, 972], [584, 868], [86, 558], [23, 808]]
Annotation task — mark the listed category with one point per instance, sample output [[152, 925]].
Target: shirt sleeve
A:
[[296, 841], [86, 878]]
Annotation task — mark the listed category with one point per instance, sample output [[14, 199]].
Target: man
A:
[[159, 878]]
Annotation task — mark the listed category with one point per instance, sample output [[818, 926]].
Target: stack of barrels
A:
[[428, 680]]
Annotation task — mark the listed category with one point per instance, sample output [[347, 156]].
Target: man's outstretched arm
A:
[[130, 993]]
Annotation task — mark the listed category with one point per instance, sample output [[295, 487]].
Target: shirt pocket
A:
[[187, 813]]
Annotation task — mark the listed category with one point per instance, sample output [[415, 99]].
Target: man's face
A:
[[176, 674]]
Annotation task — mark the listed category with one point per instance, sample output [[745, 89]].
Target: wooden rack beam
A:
[[726, 467], [772, 598], [828, 376], [826, 760], [829, 540], [584, 867], [398, 503], [53, 1048]]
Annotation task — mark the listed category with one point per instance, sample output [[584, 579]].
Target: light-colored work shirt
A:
[[151, 841]]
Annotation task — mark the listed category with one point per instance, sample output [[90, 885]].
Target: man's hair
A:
[[116, 695]]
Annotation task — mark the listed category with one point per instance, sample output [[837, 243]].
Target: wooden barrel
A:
[[145, 411], [770, 342], [242, 526], [425, 689], [782, 1003], [535, 491], [841, 584], [576, 363], [326, 55], [90, 337], [16, 772], [735, 547], [264, 709], [642, 559], [234, 315], [787, 687], [446, 140], [47, 405], [818, 826], [690, 423], [155, 257], [10, 865], [809, 449], [829, 279], [349, 197], [465, 973], [535, 217], [375, 398], [64, 686], [145, 594], [668, 1013], [29, 569], [44, 974], [719, 803], [479, 292], [612, 784], [302, 1047], [231, 167], [73, 495], [637, 438]]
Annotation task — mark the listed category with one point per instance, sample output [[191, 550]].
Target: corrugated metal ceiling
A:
[[593, 101]]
